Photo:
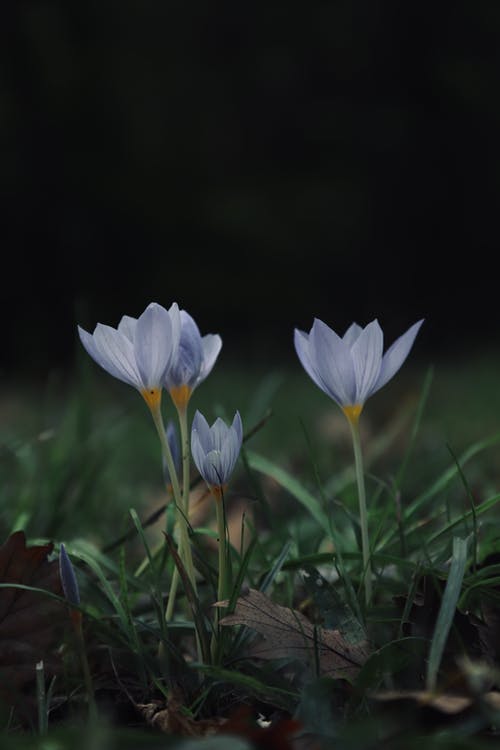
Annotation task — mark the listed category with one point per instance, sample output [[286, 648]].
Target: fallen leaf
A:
[[172, 718], [288, 633], [28, 619], [445, 703], [271, 735]]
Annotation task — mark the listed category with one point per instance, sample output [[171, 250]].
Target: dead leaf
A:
[[287, 633], [171, 718], [445, 703], [28, 619], [272, 735]]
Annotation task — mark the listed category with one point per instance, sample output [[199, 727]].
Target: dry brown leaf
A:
[[170, 718], [30, 622], [287, 633], [446, 703]]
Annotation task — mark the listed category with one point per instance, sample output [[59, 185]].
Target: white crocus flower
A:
[[193, 362], [216, 449], [351, 368], [140, 351]]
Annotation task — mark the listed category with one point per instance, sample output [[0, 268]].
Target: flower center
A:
[[180, 395], [352, 412], [152, 396]]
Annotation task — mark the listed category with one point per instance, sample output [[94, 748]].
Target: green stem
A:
[[41, 699], [221, 587], [184, 546], [87, 678], [174, 585], [183, 424], [221, 530], [363, 515]]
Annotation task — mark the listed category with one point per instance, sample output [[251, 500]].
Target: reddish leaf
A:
[[28, 619], [273, 735]]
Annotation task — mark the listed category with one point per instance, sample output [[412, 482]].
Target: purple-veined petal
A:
[[89, 344], [175, 450], [215, 449], [366, 355], [197, 450], [187, 362], [127, 326], [175, 319], [68, 577], [218, 433], [211, 346], [200, 426], [396, 355], [237, 426], [153, 344], [351, 334], [232, 446], [116, 355], [303, 349], [213, 472], [333, 363]]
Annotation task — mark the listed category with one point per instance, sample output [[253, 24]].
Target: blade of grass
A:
[[292, 485], [447, 610], [194, 604], [424, 395], [439, 485], [470, 497]]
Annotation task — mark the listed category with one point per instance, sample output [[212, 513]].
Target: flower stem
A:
[[183, 424], [76, 618], [221, 588], [353, 419], [184, 548]]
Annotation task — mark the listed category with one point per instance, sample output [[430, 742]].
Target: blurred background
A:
[[259, 163]]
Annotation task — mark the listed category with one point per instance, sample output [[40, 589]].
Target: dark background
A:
[[260, 163]]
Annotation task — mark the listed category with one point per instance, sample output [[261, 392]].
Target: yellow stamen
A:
[[352, 412], [180, 395], [152, 396]]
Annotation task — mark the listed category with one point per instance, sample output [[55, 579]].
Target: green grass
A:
[[81, 465]]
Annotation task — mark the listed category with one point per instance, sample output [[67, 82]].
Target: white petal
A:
[[175, 318], [218, 434], [213, 471], [88, 342], [333, 363], [187, 361], [117, 355], [211, 344], [367, 358], [303, 348], [127, 326], [237, 426], [352, 334], [153, 344], [200, 426], [196, 449], [396, 355]]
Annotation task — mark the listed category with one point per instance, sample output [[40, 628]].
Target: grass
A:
[[81, 465]]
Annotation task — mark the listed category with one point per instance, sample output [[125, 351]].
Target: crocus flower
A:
[[215, 449], [68, 577], [140, 351], [193, 362], [351, 368]]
